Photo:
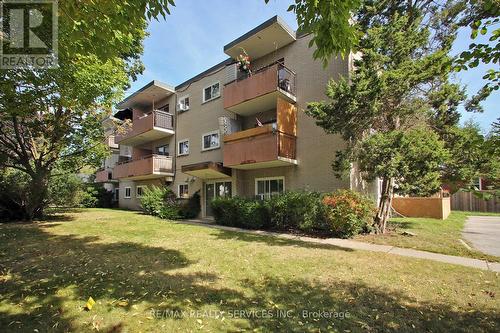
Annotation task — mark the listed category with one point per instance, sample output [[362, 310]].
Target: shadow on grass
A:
[[41, 273], [397, 225], [272, 240], [319, 307]]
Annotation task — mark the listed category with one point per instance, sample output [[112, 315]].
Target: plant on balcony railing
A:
[[243, 61]]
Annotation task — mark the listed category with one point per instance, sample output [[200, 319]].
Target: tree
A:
[[481, 16], [400, 81], [408, 162], [50, 118], [330, 23], [65, 190], [469, 155]]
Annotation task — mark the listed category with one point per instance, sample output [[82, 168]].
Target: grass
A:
[[202, 279], [430, 235]]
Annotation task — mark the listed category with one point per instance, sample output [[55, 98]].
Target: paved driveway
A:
[[483, 232]]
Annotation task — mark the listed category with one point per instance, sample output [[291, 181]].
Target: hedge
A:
[[341, 214]]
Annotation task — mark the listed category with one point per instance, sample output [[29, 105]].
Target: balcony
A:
[[152, 126], [259, 91], [104, 176], [260, 147], [147, 167]]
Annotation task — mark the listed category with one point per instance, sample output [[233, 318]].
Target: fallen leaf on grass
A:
[[90, 304]]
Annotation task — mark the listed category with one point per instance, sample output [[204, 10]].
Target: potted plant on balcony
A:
[[243, 61]]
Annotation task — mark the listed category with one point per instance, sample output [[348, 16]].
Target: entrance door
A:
[[216, 190]]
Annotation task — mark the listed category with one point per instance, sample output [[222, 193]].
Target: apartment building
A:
[[226, 133]]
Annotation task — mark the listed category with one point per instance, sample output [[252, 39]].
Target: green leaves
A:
[[51, 118], [482, 17], [412, 158], [330, 23]]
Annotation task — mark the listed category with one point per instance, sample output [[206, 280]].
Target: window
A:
[[127, 193], [183, 191], [223, 189], [163, 150], [211, 92], [110, 175], [269, 187], [183, 104], [117, 194], [165, 108], [210, 140], [183, 147], [139, 191]]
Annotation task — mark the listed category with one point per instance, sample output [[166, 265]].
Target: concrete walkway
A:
[[355, 245], [483, 232]]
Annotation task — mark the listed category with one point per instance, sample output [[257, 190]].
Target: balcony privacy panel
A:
[[286, 117]]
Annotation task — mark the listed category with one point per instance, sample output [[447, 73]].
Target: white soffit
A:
[[153, 91], [266, 38]]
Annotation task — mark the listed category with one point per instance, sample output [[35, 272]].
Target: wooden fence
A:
[[469, 202]]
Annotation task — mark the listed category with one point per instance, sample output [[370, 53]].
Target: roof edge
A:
[[150, 84], [262, 26], [223, 63]]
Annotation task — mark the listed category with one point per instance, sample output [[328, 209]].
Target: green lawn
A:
[[431, 235], [131, 263]]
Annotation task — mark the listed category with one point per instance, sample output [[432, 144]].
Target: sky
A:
[[192, 38]]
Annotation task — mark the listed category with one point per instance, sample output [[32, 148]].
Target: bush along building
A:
[[237, 128]]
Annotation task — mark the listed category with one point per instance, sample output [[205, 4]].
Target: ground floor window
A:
[[139, 191], [127, 193], [183, 191], [268, 187], [223, 189], [117, 194]]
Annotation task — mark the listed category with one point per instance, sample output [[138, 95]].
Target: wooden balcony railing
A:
[[148, 122], [150, 165], [257, 145], [275, 77], [103, 176]]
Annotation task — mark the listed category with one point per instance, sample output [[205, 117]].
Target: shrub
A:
[[348, 213], [297, 210], [342, 214], [13, 192], [241, 212], [191, 207], [67, 190], [161, 202], [95, 195]]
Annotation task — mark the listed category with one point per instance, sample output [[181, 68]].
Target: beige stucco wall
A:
[[315, 149], [133, 202]]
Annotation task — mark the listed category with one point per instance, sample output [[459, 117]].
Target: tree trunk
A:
[[37, 195], [384, 206]]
